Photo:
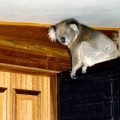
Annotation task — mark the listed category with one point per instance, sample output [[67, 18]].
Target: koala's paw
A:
[[84, 69], [72, 75]]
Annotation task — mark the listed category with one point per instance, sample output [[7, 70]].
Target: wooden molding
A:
[[48, 25], [28, 45], [20, 57], [24, 24]]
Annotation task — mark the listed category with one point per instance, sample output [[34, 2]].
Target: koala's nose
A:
[[62, 39]]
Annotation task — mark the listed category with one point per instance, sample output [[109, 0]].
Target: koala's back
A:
[[91, 35], [94, 37], [95, 47]]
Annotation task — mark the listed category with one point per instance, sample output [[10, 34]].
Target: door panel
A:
[[2, 103], [24, 97], [26, 104]]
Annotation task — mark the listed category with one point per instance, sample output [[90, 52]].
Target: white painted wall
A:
[[91, 12]]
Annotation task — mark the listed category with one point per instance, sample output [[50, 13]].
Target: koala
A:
[[87, 46]]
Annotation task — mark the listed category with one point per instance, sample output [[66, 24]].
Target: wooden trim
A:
[[106, 28], [47, 25], [24, 24], [27, 70]]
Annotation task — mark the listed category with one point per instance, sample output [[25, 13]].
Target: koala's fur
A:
[[87, 46]]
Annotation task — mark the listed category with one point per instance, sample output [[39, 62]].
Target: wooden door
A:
[[24, 97]]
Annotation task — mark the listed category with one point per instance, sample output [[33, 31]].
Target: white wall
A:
[[90, 12]]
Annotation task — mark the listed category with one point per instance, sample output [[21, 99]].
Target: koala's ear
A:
[[74, 27], [52, 33], [74, 24]]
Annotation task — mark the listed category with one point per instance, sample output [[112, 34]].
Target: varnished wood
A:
[[27, 58], [53, 97], [48, 25], [24, 97], [1, 103], [24, 24], [27, 44], [34, 38], [26, 104]]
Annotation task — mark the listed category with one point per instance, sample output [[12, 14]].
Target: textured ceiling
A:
[[104, 13]]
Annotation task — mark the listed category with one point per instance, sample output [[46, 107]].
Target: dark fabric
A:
[[91, 96]]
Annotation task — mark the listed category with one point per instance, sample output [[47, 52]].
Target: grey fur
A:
[[87, 46]]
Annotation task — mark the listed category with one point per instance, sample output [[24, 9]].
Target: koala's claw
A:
[[73, 76], [84, 69]]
